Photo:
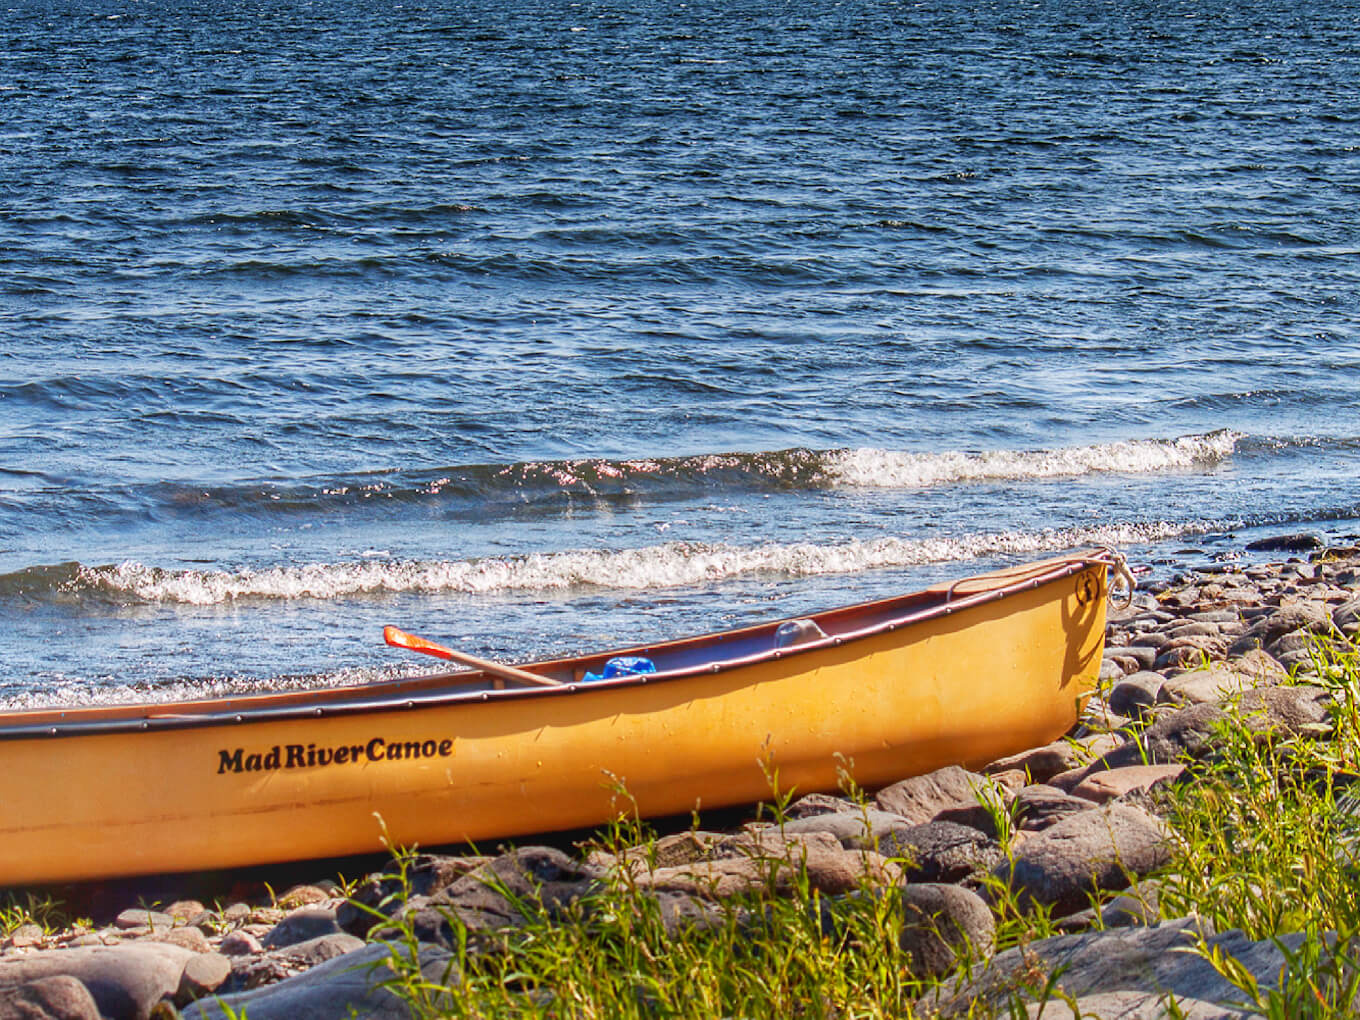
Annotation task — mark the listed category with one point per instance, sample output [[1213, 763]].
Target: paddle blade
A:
[[398, 638]]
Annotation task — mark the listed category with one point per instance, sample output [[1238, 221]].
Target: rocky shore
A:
[[1076, 830]]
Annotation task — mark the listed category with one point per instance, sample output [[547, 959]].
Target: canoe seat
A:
[[797, 632]]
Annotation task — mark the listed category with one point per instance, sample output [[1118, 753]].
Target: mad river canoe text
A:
[[309, 756]]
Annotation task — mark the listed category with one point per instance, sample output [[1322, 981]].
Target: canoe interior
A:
[[676, 658]]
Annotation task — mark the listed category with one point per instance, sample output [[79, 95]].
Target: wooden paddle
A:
[[400, 639]]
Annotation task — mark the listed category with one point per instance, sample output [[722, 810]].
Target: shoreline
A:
[[1225, 641]]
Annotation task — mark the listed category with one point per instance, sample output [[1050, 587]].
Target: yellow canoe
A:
[[959, 673]]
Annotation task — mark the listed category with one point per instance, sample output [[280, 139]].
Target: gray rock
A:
[[51, 998], [940, 922], [1065, 864], [125, 980], [857, 831], [1122, 974], [138, 917], [344, 986], [240, 943], [300, 926], [941, 851], [925, 798], [1136, 694]]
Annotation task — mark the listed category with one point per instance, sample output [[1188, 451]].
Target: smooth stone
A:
[[941, 922], [1092, 851], [859, 831], [348, 985], [136, 917], [948, 790], [59, 997], [184, 911], [301, 926], [126, 980], [281, 964], [1100, 787], [304, 896], [240, 943], [1136, 694], [203, 975]]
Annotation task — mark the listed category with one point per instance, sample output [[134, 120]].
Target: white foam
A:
[[667, 565], [891, 469]]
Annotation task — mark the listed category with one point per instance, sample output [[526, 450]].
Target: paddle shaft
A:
[[400, 639]]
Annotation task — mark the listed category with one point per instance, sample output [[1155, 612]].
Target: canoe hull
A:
[[963, 687]]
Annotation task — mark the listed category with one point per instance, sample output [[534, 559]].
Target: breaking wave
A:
[[667, 565]]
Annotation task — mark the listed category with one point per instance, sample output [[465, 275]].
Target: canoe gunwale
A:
[[168, 719]]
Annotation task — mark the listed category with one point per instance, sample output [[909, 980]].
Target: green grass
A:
[[1268, 841]]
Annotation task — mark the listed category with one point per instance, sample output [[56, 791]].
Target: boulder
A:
[[349, 985], [1124, 973], [939, 923], [300, 926], [1065, 864], [125, 980], [950, 792], [51, 998]]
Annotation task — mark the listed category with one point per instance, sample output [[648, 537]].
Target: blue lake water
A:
[[535, 327]]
